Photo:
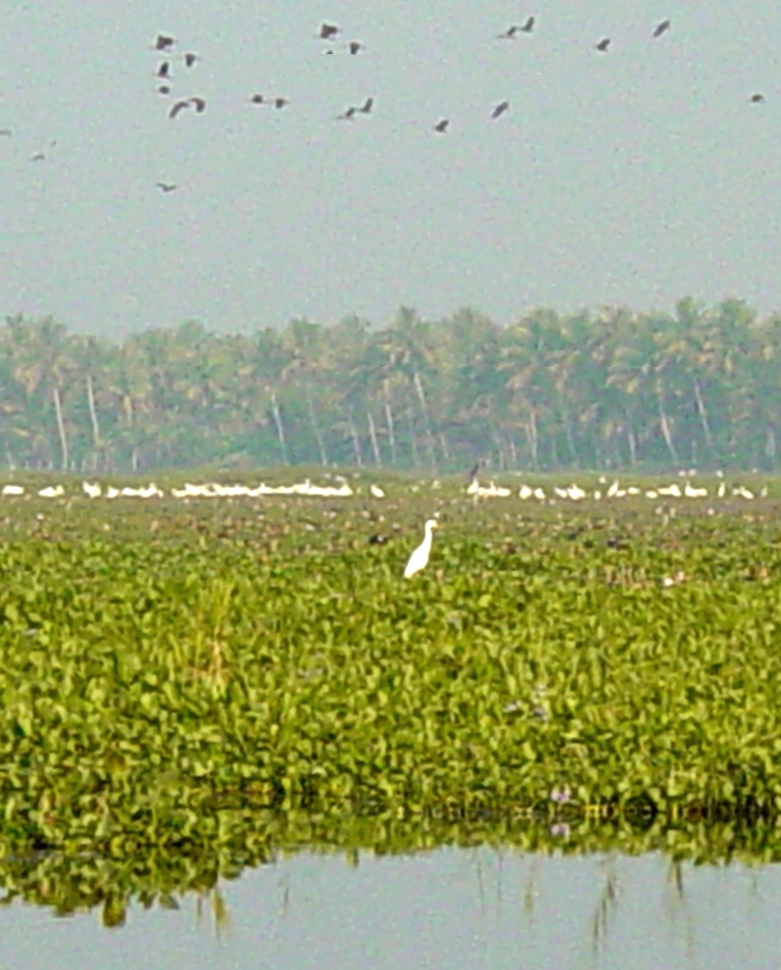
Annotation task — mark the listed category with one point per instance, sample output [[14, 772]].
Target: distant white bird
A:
[[691, 492], [419, 557], [376, 491], [93, 491], [51, 491]]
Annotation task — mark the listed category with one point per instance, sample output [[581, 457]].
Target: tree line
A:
[[591, 390]]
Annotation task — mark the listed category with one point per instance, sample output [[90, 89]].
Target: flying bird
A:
[[281, 103], [757, 98], [258, 99], [349, 115], [528, 27], [164, 43], [603, 45], [441, 126], [166, 187], [354, 46], [200, 104], [164, 70], [367, 106], [5, 133], [40, 156], [661, 28], [177, 107], [500, 109], [419, 558], [190, 58], [327, 31], [164, 89], [509, 33]]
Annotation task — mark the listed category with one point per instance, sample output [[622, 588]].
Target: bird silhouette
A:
[[190, 58], [166, 187], [661, 28], [177, 107], [258, 99], [528, 27], [603, 45], [164, 89], [509, 33], [40, 156], [348, 115], [5, 133], [355, 46], [327, 31], [500, 109], [441, 126], [164, 70], [757, 98], [200, 104], [164, 43], [280, 103], [367, 106]]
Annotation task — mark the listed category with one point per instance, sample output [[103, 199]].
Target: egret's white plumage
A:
[[419, 557]]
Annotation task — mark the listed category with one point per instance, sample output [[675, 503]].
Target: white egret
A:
[[419, 557]]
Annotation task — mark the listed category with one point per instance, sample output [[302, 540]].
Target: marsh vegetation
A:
[[189, 687]]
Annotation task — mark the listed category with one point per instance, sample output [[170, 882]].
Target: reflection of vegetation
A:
[[608, 900], [184, 701], [218, 910], [160, 877]]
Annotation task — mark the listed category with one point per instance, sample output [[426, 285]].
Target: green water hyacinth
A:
[[170, 675]]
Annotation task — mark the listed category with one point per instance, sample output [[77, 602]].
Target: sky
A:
[[633, 177]]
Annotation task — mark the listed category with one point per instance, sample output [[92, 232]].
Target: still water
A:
[[448, 908]]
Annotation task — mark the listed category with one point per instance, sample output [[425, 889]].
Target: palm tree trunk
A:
[[93, 413], [61, 427], [356, 440], [413, 444], [373, 436], [316, 429], [770, 444], [426, 421], [632, 442], [389, 422], [664, 423], [701, 410], [534, 441], [280, 428]]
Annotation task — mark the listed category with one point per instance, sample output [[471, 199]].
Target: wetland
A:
[[193, 688]]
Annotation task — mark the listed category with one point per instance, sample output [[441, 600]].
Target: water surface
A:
[[449, 908]]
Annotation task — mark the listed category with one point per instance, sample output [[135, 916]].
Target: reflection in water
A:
[[449, 907]]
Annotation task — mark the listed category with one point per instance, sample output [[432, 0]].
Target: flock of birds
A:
[[332, 36], [419, 558], [329, 33]]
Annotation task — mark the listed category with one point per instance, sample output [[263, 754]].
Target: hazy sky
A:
[[636, 176]]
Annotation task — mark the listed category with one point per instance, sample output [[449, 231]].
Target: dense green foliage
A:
[[186, 688], [591, 390]]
